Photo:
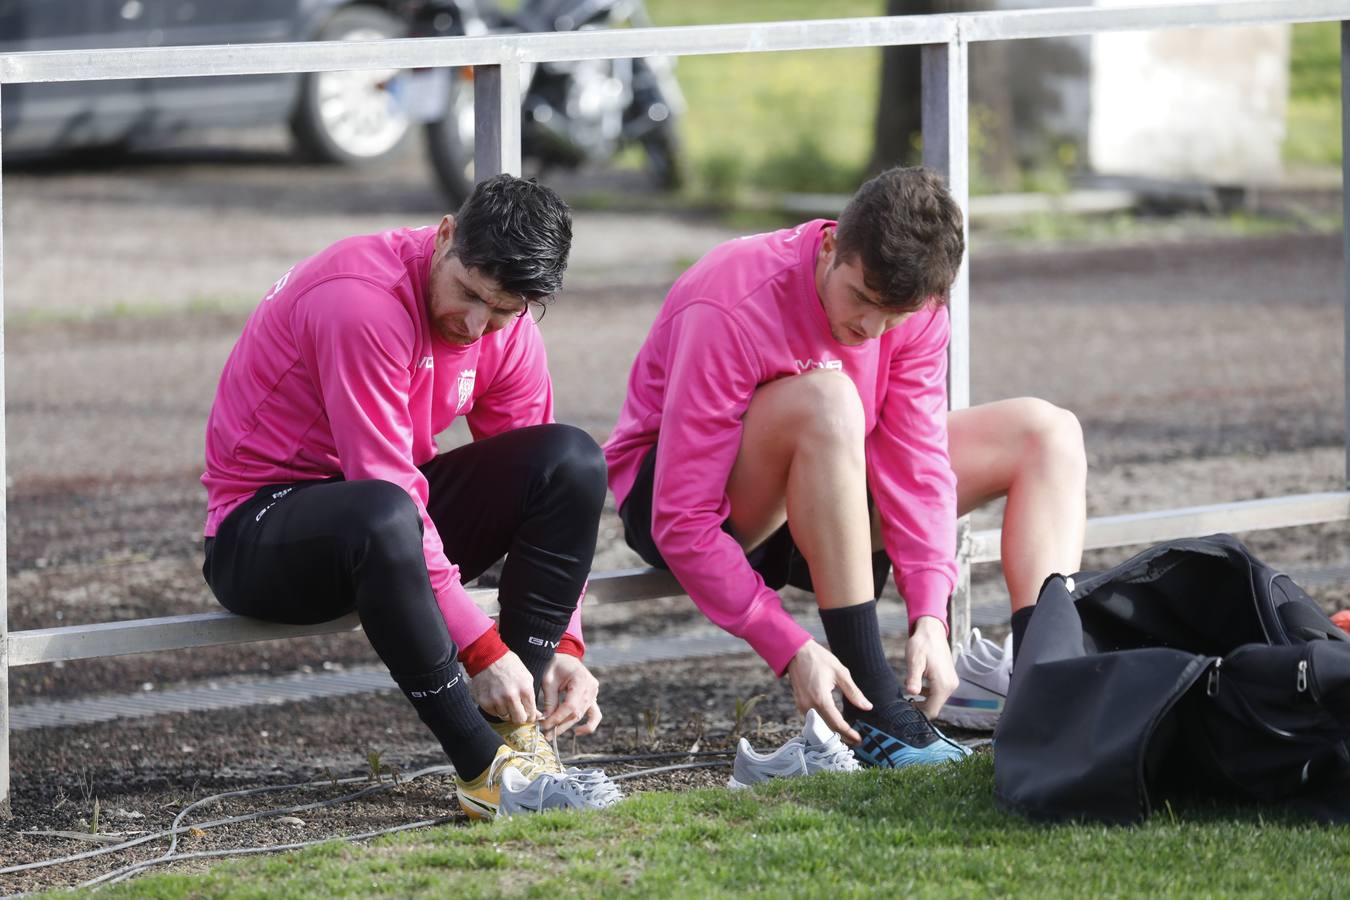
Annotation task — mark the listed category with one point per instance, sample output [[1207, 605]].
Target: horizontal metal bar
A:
[[322, 56], [208, 629], [694, 40], [1168, 524], [147, 635], [1072, 21], [632, 584]]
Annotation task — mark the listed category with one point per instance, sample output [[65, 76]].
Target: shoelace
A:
[[540, 747], [544, 749], [589, 788], [526, 763], [834, 756], [913, 726]]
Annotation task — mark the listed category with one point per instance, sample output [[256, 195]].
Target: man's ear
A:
[[829, 241], [445, 233]]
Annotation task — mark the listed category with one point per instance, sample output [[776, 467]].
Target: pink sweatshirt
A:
[[338, 373], [746, 314]]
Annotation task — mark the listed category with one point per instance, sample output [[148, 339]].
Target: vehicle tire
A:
[[351, 118], [665, 156], [450, 143], [651, 116]]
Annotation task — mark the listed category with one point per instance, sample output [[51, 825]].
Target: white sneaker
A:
[[816, 749], [985, 668], [568, 789]]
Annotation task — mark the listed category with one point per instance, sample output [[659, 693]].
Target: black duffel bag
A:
[[1192, 669]]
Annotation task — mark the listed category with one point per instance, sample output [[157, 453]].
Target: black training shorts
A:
[[777, 560]]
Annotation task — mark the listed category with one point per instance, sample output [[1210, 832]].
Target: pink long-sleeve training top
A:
[[746, 314], [338, 373]]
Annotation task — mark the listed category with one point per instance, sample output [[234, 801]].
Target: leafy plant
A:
[[378, 769], [700, 726], [741, 714], [651, 725]]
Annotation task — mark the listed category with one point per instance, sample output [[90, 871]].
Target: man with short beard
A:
[[326, 493]]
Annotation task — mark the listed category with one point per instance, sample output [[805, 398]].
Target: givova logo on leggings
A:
[[418, 695], [540, 642]]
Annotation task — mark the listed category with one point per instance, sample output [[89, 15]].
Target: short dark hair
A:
[[907, 230], [516, 232]]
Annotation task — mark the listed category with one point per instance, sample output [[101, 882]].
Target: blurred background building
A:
[[1205, 104]]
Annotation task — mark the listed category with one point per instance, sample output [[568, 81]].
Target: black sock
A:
[[1020, 620], [855, 638], [531, 637], [443, 702]]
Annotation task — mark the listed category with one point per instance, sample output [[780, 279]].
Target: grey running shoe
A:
[[569, 789], [816, 749], [985, 670]]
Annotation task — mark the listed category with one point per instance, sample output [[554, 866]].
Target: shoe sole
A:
[[970, 720], [740, 786], [891, 763], [475, 809], [979, 712]]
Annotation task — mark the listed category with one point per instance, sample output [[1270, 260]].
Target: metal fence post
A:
[[946, 143], [1345, 238], [4, 545], [496, 118]]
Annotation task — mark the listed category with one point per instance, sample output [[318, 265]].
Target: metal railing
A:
[[497, 97]]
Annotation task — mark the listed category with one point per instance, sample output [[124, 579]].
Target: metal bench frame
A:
[[497, 95]]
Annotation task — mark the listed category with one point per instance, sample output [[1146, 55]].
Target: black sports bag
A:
[[1190, 669]]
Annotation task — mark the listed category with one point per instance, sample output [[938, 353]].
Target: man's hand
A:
[[569, 679], [506, 690], [814, 674], [927, 654]]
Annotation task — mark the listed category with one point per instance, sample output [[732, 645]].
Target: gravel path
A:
[[1203, 371]]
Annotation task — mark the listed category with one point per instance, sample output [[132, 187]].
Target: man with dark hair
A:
[[326, 493], [786, 423]]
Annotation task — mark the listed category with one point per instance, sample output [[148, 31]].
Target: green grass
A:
[[1065, 228], [915, 833], [799, 121], [803, 121], [1313, 134]]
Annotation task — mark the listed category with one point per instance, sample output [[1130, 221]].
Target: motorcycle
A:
[[572, 112]]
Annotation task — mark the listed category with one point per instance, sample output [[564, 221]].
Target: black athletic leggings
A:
[[314, 551]]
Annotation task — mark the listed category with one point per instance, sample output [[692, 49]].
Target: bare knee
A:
[[1052, 438], [829, 410]]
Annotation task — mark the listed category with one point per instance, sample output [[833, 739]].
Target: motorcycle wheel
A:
[[350, 118], [665, 156], [450, 143]]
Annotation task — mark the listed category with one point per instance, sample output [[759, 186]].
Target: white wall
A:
[[1203, 104]]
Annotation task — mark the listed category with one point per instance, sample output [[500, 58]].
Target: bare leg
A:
[[802, 461], [1031, 452]]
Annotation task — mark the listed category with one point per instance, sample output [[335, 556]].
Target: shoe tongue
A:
[[816, 732]]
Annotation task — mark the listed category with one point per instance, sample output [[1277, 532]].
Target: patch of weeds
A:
[[649, 731], [741, 714], [721, 177], [91, 802], [378, 769], [700, 726], [806, 167]]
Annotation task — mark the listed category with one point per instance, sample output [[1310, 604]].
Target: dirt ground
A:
[[1202, 370]]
